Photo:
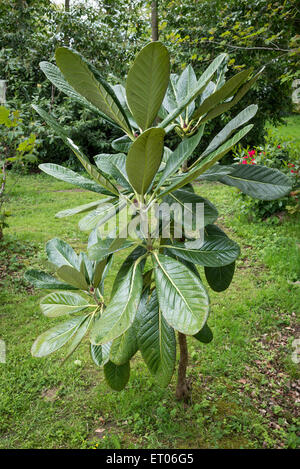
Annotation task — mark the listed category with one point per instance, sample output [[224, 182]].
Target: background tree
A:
[[253, 33], [30, 32], [154, 21]]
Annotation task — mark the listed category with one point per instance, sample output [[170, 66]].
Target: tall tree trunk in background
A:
[[66, 38], [154, 21]]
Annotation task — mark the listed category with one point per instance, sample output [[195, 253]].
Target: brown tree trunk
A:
[[154, 21], [183, 390], [67, 5]]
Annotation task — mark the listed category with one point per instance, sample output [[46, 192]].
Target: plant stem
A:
[[184, 167], [183, 391]]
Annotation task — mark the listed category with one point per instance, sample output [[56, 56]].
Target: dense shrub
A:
[[92, 134], [30, 32]]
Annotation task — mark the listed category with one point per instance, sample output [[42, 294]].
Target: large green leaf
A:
[[115, 166], [122, 144], [242, 118], [144, 158], [42, 280], [86, 267], [121, 310], [213, 157], [60, 303], [104, 247], [121, 95], [224, 107], [81, 208], [205, 335], [213, 173], [56, 337], [67, 175], [61, 253], [56, 77], [124, 347], [213, 251], [219, 278], [91, 169], [258, 181], [166, 154], [188, 201], [109, 263], [97, 91], [72, 277], [78, 336], [227, 90], [209, 90], [98, 272], [185, 85], [147, 82], [101, 215], [156, 341], [170, 102], [209, 161], [127, 264], [182, 152], [100, 353], [202, 82], [214, 230], [182, 297], [117, 376], [188, 264]]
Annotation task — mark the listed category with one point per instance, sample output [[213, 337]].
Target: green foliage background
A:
[[254, 33]]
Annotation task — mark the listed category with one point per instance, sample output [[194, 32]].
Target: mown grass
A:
[[244, 384], [290, 130]]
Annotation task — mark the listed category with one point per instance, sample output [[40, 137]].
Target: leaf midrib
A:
[[256, 182], [170, 280]]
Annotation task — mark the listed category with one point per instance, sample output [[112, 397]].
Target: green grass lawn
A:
[[244, 383], [290, 130]]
